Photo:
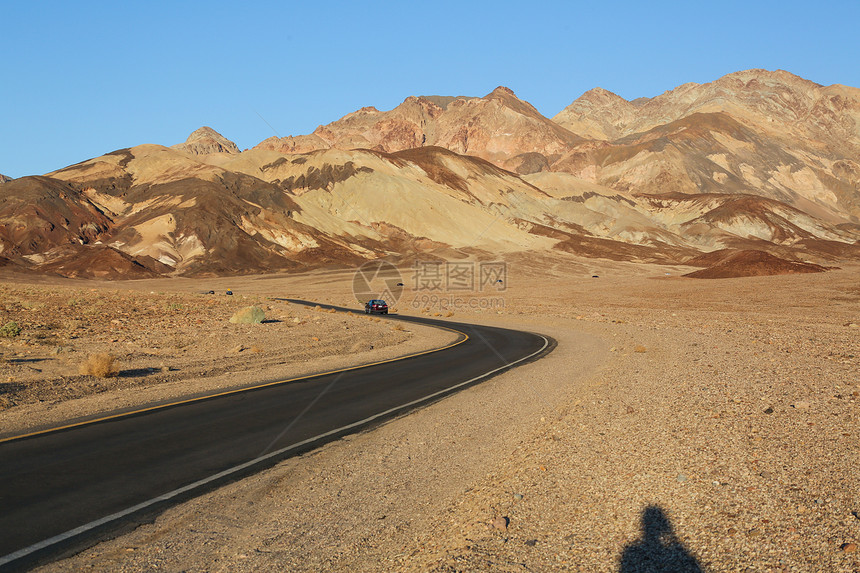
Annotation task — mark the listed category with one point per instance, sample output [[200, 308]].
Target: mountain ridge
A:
[[754, 161]]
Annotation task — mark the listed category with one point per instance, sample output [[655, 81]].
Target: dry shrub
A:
[[450, 313], [256, 349], [318, 308], [397, 327], [100, 365], [640, 349], [10, 330]]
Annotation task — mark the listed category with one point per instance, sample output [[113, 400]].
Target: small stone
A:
[[165, 369], [518, 496], [754, 533], [769, 410], [848, 547], [766, 474], [531, 542], [501, 523], [237, 349], [802, 405], [681, 478], [732, 531]]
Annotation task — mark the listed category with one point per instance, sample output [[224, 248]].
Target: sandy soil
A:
[[690, 424]]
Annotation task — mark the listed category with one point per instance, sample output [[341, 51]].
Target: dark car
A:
[[375, 307]]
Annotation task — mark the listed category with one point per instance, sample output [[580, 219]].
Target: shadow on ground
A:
[[658, 550]]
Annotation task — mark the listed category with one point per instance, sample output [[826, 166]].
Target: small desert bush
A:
[[10, 330], [100, 365], [640, 349], [397, 327]]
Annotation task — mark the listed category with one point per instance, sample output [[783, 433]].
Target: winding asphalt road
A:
[[63, 490]]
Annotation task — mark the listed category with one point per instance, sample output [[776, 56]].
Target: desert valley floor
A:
[[698, 424]]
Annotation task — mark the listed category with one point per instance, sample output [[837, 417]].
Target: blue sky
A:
[[82, 79]]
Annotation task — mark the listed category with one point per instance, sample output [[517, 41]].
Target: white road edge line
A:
[[6, 559]]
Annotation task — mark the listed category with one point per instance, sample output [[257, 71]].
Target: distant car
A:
[[375, 306]]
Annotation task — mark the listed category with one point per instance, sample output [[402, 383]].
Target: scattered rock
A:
[[802, 405], [681, 478], [768, 410], [237, 349], [501, 523], [531, 542], [518, 496], [248, 315], [848, 547]]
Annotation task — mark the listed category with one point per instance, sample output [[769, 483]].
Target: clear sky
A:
[[79, 79]]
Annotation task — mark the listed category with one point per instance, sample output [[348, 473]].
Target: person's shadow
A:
[[658, 550]]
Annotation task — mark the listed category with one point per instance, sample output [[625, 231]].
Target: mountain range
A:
[[754, 161]]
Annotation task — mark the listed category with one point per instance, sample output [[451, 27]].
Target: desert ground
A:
[[680, 424]]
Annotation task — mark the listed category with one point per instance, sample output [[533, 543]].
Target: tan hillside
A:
[[757, 132], [756, 160]]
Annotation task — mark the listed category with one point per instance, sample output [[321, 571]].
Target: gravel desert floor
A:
[[680, 425]]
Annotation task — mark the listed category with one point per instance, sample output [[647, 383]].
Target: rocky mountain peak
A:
[[502, 91], [206, 140], [4, 178]]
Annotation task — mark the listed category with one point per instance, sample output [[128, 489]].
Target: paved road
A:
[[60, 491]]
